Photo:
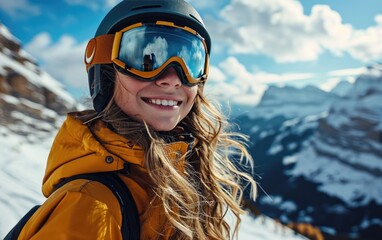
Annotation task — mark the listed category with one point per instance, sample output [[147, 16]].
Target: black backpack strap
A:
[[130, 217], [16, 230]]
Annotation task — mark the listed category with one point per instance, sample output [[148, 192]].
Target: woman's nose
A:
[[169, 78]]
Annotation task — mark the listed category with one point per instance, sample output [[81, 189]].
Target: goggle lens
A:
[[146, 50], [149, 47]]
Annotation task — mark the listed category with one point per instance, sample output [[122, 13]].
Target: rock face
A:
[[25, 88]]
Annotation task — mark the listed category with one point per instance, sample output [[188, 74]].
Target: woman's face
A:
[[162, 104]]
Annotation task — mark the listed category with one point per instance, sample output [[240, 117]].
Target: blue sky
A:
[[256, 43]]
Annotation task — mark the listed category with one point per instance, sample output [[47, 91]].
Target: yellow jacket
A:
[[84, 209]]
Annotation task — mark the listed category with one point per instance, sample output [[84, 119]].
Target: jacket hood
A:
[[79, 150]]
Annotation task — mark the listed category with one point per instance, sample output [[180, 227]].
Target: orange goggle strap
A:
[[99, 50]]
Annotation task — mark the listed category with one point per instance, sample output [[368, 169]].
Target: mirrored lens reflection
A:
[[147, 48]]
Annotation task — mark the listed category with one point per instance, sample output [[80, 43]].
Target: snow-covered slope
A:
[[32, 107], [349, 145], [22, 168], [263, 227]]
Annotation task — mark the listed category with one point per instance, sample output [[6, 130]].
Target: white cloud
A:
[[281, 30], [366, 44], [215, 75], [62, 59], [265, 77], [19, 8], [237, 85], [347, 72]]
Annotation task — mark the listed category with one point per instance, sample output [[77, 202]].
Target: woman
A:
[[147, 66]]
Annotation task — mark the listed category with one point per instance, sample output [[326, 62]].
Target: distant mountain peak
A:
[[342, 88], [291, 102], [292, 95]]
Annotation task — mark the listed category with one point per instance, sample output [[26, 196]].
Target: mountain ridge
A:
[[332, 152]]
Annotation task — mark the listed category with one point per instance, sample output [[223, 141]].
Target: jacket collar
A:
[[77, 150]]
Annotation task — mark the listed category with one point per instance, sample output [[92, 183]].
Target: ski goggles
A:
[[145, 51]]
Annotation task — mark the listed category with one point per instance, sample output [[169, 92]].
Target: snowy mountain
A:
[[351, 136], [321, 164], [281, 107], [32, 108], [342, 88]]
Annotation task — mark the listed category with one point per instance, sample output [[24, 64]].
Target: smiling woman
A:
[[162, 104], [151, 126]]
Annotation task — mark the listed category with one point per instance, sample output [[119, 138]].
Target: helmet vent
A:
[[144, 7]]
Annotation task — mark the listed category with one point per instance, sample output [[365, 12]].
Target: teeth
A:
[[170, 103]]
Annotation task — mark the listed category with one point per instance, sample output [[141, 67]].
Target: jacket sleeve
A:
[[86, 212]]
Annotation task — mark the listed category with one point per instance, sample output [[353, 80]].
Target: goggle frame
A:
[[104, 41]]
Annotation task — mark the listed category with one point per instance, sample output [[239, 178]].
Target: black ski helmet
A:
[[129, 12]]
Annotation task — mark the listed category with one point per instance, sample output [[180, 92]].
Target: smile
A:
[[162, 102]]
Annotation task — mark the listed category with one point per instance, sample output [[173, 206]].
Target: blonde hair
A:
[[197, 200]]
